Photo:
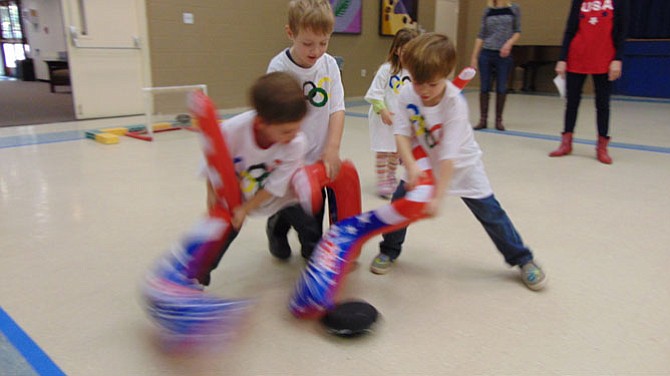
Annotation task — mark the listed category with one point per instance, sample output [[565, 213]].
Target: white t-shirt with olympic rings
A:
[[325, 95], [257, 168], [444, 131], [385, 87]]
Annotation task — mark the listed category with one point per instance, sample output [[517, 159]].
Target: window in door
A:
[[13, 45]]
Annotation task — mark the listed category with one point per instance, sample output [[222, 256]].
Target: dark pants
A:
[[574, 83], [308, 227], [489, 213], [490, 62]]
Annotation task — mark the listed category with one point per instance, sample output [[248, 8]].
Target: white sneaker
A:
[[533, 276], [381, 264]]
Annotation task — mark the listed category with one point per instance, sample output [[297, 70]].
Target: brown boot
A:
[[601, 150], [500, 106], [566, 146], [483, 111]]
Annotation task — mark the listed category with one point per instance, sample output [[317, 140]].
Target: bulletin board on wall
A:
[[397, 14], [348, 16]]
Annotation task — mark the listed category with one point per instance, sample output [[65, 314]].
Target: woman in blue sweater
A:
[[499, 31]]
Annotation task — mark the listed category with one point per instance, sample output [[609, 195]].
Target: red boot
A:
[[566, 145], [601, 150]]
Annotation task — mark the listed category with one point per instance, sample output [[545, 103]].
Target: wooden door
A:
[[107, 55]]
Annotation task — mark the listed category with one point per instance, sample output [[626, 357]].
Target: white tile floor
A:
[[80, 222]]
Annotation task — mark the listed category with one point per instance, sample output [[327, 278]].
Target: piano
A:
[[530, 58]]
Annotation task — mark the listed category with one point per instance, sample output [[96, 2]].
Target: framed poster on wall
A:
[[348, 16], [397, 14]]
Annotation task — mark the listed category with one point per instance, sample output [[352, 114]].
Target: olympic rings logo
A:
[[253, 178], [316, 95], [433, 135], [395, 83]]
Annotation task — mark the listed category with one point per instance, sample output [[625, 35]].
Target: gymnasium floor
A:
[[80, 222]]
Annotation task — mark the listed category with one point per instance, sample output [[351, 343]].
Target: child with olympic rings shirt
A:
[[382, 95], [433, 114], [310, 25], [267, 148]]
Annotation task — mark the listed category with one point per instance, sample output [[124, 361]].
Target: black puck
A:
[[350, 319]]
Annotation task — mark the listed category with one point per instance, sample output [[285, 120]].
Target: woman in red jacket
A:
[[592, 45]]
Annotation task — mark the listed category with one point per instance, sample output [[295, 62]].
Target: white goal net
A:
[[166, 108]]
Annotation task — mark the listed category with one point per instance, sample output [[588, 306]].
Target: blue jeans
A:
[[490, 62], [489, 213]]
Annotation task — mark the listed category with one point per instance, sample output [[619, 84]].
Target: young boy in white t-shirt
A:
[[310, 24], [433, 114], [266, 147]]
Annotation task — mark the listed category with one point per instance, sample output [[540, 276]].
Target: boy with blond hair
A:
[[310, 25], [433, 114]]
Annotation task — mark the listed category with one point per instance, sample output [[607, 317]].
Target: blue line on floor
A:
[[617, 145], [48, 138], [538, 136], [356, 103], [37, 358], [41, 138], [355, 114]]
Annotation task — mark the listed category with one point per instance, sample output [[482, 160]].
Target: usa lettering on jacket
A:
[[589, 6]]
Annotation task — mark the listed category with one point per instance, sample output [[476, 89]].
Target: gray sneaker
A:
[[533, 276], [381, 264]]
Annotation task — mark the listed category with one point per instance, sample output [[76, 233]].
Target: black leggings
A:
[[309, 227], [603, 87], [205, 276]]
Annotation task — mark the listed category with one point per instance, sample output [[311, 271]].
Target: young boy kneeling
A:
[[266, 147]]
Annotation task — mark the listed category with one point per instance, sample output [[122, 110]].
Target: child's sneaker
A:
[[383, 191], [381, 264], [194, 283], [307, 252], [278, 245], [533, 276]]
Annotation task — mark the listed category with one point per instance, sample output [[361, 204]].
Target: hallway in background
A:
[[32, 102]]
